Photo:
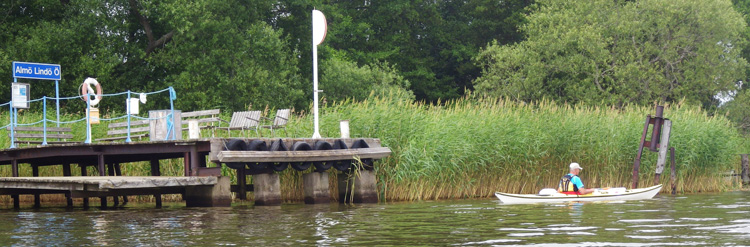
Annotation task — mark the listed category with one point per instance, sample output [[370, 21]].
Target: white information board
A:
[[20, 95]]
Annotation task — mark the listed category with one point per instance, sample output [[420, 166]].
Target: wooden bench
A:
[[139, 129], [208, 119], [35, 135]]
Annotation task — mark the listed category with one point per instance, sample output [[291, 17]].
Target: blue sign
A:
[[41, 71]]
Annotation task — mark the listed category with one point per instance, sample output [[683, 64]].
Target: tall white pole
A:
[[315, 43], [315, 89]]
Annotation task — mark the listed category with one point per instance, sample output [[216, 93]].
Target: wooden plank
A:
[[125, 124], [122, 137], [202, 120], [40, 129], [218, 144], [102, 183], [200, 113], [303, 156], [125, 131], [41, 135], [40, 142]]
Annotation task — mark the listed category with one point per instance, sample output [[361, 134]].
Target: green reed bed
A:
[[473, 147]]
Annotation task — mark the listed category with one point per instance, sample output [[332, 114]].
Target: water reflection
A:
[[697, 220]]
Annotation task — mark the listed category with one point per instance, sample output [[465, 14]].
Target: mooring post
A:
[[14, 167], [674, 171], [118, 172], [155, 171], [745, 169], [37, 198], [637, 163], [663, 148], [316, 187]]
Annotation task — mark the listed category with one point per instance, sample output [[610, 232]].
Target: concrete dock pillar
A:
[[363, 190], [316, 187], [267, 189], [218, 195]]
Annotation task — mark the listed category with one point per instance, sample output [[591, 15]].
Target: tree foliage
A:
[[618, 52]]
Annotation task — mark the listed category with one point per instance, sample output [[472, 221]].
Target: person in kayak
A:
[[571, 184]]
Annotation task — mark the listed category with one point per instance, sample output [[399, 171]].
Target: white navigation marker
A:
[[319, 29]]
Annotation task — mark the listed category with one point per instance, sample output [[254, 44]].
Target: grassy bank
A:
[[474, 147]]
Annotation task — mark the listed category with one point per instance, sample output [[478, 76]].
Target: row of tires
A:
[[279, 145]]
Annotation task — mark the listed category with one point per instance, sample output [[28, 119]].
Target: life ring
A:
[[86, 89]]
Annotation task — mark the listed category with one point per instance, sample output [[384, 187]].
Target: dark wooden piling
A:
[[156, 171], [745, 169]]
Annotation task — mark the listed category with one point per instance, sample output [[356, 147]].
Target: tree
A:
[[618, 52], [341, 79]]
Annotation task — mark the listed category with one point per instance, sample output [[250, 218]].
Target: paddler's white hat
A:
[[575, 166]]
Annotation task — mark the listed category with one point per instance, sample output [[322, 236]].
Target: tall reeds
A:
[[472, 147]]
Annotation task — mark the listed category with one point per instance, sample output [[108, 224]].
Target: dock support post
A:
[[194, 160], [102, 172], [67, 173], [155, 171], [14, 167], [242, 184], [37, 198], [316, 187], [358, 188], [218, 195], [118, 172], [111, 173], [267, 189], [745, 169], [84, 173]]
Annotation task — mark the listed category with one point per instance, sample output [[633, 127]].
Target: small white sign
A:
[[20, 95], [133, 104]]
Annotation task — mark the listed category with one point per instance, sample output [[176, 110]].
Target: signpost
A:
[[38, 71], [319, 29]]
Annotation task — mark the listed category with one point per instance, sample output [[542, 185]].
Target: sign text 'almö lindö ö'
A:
[[41, 71]]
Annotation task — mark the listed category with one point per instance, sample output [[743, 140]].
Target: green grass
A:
[[473, 147]]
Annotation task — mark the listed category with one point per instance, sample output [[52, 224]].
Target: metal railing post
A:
[[172, 97], [12, 138], [44, 120], [127, 101], [88, 117]]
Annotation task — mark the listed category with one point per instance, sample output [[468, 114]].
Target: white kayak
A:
[[614, 194]]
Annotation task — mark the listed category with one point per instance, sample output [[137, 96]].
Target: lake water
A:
[[685, 220]]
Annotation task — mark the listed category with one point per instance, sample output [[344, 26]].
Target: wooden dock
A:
[[197, 154], [104, 186]]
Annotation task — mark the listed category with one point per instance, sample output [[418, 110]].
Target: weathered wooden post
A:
[[651, 143], [745, 169], [663, 148]]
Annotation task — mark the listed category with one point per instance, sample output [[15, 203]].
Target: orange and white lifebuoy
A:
[[87, 89]]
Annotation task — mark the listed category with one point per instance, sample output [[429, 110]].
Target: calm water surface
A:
[[688, 220]]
